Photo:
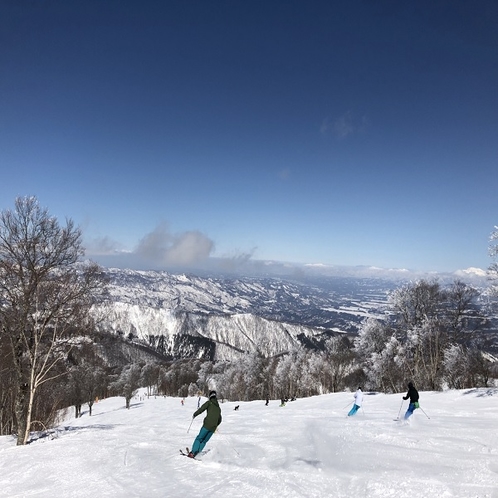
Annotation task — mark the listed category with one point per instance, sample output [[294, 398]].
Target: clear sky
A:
[[342, 133]]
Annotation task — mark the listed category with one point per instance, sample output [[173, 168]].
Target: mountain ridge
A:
[[222, 317]]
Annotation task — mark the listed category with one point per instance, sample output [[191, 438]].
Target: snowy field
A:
[[308, 448]]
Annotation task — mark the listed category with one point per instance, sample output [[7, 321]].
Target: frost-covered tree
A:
[[128, 382], [269, 378], [424, 321], [414, 303], [456, 366], [292, 375], [380, 354], [175, 378], [150, 377], [233, 383], [493, 252], [253, 366], [424, 347], [193, 389], [44, 298], [206, 375], [463, 317], [339, 362]]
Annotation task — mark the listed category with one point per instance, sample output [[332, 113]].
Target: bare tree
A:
[[44, 297], [7, 392]]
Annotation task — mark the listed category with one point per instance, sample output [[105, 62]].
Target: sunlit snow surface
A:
[[309, 448]]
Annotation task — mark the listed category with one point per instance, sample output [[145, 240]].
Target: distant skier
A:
[[211, 421], [358, 400], [413, 395]]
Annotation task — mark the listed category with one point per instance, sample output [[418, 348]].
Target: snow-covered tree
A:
[[253, 373], [193, 389], [128, 382], [206, 375], [292, 375], [493, 252], [424, 348], [424, 321], [339, 362], [413, 303], [381, 355], [456, 366], [150, 377]]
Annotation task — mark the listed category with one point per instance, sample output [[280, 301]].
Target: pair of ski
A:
[[188, 451], [186, 454]]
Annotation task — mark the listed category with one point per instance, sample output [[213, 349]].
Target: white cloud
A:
[[102, 245], [344, 125], [163, 248]]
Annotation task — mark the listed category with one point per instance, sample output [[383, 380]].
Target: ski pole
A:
[[424, 412], [190, 424], [349, 402], [229, 442], [401, 406]]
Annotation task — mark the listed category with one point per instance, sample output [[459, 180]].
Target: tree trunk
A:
[[21, 412], [29, 413]]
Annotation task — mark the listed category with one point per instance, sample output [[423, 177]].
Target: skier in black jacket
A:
[[413, 395]]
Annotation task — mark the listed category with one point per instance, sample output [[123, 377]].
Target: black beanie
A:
[[212, 394]]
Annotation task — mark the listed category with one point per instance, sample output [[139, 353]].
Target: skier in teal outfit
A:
[[210, 424], [358, 400]]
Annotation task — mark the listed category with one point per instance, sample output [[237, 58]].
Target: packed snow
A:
[[308, 448]]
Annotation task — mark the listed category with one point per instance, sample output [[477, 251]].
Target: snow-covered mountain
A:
[[215, 317], [221, 318]]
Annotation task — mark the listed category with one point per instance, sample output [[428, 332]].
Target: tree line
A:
[[53, 358]]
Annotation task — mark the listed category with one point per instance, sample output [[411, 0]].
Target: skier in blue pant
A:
[[413, 395], [210, 424], [358, 400]]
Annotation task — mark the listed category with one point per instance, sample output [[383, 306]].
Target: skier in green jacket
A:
[[211, 422]]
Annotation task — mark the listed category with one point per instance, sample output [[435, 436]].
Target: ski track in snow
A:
[[309, 448]]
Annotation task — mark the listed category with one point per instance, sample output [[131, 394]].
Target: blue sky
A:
[[342, 133]]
